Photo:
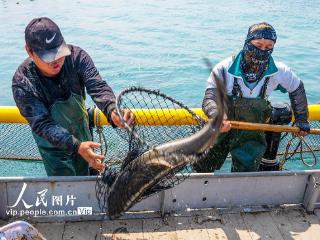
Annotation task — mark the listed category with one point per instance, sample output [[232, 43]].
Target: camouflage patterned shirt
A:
[[35, 93]]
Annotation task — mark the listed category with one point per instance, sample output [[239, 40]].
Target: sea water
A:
[[161, 43]]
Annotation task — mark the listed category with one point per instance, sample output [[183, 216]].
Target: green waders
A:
[[246, 147], [71, 114]]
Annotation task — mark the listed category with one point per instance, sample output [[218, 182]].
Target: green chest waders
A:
[[71, 114], [246, 147]]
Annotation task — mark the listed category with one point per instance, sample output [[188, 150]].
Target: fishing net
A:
[[162, 145], [17, 143], [305, 150]]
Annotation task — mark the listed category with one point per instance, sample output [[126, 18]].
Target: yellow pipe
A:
[[145, 117], [159, 117], [10, 114], [314, 112]]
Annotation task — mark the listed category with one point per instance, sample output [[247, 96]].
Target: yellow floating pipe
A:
[[314, 112], [146, 117], [11, 114], [154, 117], [159, 117]]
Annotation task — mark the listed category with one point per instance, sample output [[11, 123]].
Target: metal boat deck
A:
[[286, 223], [260, 205]]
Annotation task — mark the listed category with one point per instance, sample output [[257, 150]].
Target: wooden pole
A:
[[268, 127]]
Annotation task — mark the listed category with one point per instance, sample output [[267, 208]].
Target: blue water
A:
[[160, 44]]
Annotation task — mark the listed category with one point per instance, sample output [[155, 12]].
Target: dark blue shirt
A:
[[35, 94]]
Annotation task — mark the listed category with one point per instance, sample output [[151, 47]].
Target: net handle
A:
[[269, 127]]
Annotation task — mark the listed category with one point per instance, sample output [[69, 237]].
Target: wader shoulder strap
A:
[[236, 91], [264, 88]]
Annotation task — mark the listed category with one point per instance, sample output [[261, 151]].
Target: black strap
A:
[[264, 88], [236, 91]]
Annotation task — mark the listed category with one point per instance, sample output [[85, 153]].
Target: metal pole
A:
[[3, 200], [162, 203], [312, 193]]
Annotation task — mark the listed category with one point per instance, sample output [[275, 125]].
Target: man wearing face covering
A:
[[250, 77]]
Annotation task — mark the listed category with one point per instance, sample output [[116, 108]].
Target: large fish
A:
[[144, 172]]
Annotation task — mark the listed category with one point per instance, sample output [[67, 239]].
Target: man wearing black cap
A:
[[250, 78], [49, 89]]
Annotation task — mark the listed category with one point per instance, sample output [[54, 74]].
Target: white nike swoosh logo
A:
[[51, 39]]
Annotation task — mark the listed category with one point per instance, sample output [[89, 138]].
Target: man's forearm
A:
[[299, 104], [58, 136], [209, 105]]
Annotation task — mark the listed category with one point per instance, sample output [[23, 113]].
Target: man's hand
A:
[[128, 117], [86, 151], [304, 128], [226, 125]]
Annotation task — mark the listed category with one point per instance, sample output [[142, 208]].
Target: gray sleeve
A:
[[209, 105], [299, 104]]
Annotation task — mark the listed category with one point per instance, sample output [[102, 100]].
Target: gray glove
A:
[[304, 126]]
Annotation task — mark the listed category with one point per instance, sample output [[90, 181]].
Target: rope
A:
[[101, 189], [287, 155], [102, 137]]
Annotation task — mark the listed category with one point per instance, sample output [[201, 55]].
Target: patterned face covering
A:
[[254, 61]]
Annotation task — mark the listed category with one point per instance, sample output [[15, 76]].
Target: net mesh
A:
[[16, 142], [150, 165]]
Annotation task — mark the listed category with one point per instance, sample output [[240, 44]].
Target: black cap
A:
[[43, 36], [261, 31]]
